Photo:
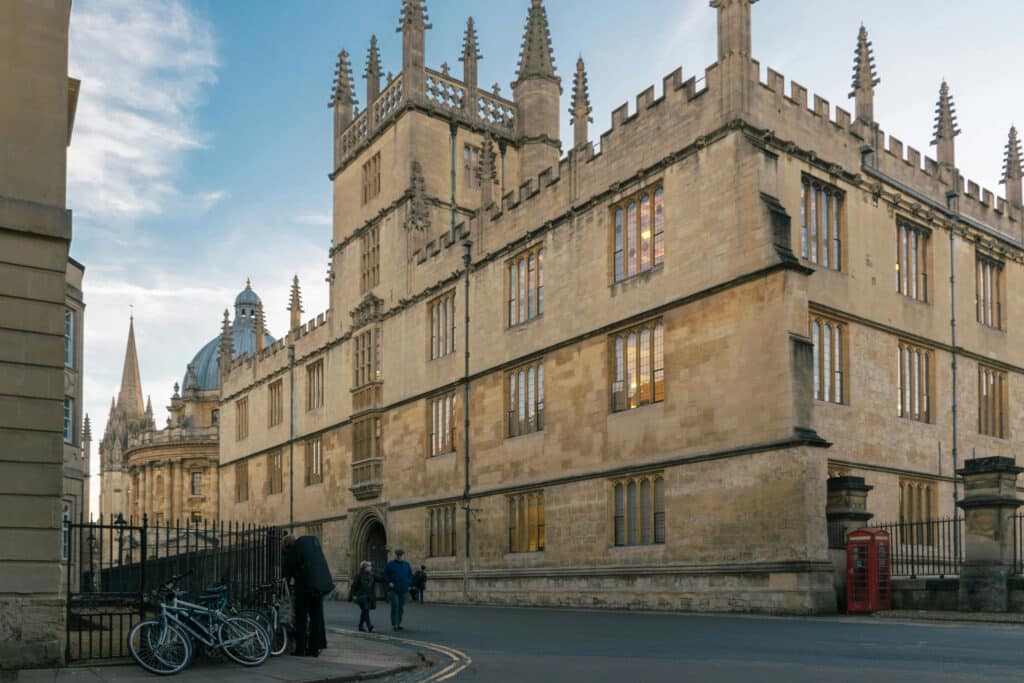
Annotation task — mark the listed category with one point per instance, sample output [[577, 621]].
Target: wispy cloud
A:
[[315, 219], [144, 67]]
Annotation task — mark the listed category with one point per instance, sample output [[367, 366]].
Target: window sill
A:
[[442, 456], [525, 323], [991, 328], [908, 298], [639, 277], [638, 547], [626, 411], [831, 403], [524, 553], [519, 436], [450, 354], [817, 267], [919, 422]]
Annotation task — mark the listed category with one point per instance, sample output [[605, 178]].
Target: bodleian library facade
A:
[[619, 373]]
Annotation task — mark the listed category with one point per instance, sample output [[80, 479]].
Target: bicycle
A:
[[166, 645], [268, 616]]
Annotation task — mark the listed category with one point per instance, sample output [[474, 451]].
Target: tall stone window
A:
[[470, 162], [638, 366], [315, 385], [639, 509], [914, 382], [69, 338], [525, 285], [821, 223], [241, 418], [526, 522], [275, 472], [314, 461], [442, 424], [525, 398], [442, 325], [369, 272], [989, 292], [196, 482], [366, 439], [366, 357], [992, 391], [275, 403], [69, 420], [242, 481], [441, 531], [829, 358], [371, 178], [912, 260], [638, 233], [918, 504]]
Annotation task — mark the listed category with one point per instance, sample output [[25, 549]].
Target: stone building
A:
[[77, 430], [35, 236], [170, 474], [674, 338]]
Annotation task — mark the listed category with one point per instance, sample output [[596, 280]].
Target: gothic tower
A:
[[536, 92], [128, 416]]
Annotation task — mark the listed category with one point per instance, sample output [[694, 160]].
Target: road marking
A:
[[458, 660]]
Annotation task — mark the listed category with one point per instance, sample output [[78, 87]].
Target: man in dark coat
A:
[[305, 564], [398, 577]]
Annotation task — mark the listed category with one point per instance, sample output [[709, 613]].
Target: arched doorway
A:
[[370, 542]]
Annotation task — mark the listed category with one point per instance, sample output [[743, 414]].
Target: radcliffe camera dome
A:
[[203, 373]]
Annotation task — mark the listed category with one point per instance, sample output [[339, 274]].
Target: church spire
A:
[[129, 397], [580, 108], [86, 430], [865, 77], [295, 304], [227, 346], [372, 74], [535, 58], [1013, 171], [945, 127], [413, 26], [470, 55]]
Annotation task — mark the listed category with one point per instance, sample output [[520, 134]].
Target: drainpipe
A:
[[291, 438], [467, 259], [954, 206], [453, 129]]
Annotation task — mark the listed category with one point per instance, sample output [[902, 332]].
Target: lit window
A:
[[441, 530], [526, 522], [638, 357], [639, 233], [526, 398], [639, 510]]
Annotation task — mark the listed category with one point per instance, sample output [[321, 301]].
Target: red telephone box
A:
[[868, 571]]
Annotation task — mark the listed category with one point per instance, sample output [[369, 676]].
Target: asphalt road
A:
[[538, 645]]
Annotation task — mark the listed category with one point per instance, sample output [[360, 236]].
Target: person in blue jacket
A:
[[397, 575]]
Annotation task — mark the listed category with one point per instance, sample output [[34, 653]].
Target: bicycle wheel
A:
[[279, 643], [244, 641], [159, 647]]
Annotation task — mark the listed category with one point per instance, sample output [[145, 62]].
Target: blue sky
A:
[[203, 139]]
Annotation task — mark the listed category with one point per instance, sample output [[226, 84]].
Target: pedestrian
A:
[[419, 583], [362, 592], [398, 576], [305, 564]]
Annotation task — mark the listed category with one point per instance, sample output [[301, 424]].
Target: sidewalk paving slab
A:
[[345, 659]]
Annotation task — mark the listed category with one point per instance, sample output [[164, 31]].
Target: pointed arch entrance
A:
[[369, 541]]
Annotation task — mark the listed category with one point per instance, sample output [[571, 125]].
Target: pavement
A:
[[961, 617], [347, 658]]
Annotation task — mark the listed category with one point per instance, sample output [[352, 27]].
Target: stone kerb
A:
[[989, 504]]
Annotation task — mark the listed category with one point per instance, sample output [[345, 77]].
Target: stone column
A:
[[140, 496], [990, 501], [846, 510]]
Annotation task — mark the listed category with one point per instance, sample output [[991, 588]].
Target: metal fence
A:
[[1018, 543], [113, 565], [930, 547]]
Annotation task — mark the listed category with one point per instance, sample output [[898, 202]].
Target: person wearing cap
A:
[[398, 577]]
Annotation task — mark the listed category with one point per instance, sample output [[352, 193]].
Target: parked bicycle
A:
[[273, 602], [168, 644]]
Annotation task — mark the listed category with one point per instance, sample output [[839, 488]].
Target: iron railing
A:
[[1018, 543], [114, 566], [930, 547], [836, 535]]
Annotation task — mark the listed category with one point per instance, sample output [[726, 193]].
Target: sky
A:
[[202, 140]]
